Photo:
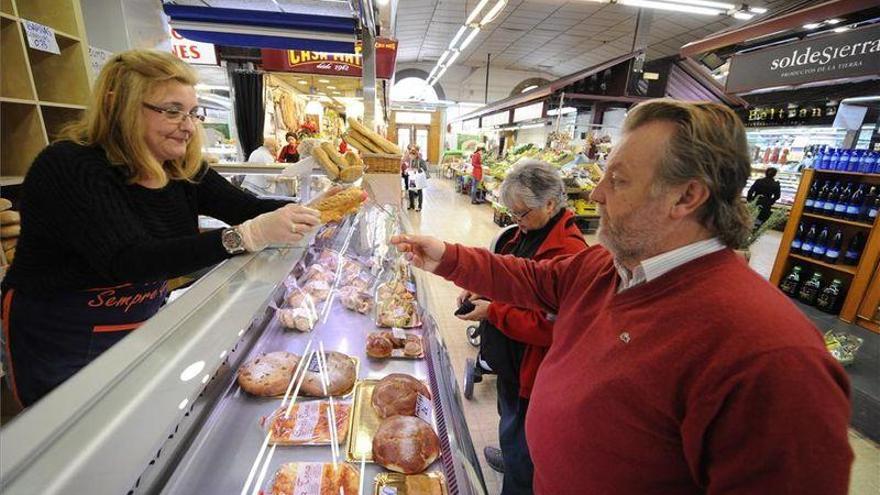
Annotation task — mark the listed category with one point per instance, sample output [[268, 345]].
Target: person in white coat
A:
[[417, 179]]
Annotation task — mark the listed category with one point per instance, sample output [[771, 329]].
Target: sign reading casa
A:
[[850, 54], [193, 52], [332, 64]]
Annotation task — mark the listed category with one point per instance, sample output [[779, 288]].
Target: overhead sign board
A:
[[193, 52], [332, 64], [850, 54]]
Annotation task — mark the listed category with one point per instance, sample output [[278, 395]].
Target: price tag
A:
[[314, 363], [398, 333], [388, 490], [41, 37], [411, 287], [424, 406]]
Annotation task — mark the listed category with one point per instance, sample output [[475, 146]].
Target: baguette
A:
[[351, 174], [333, 154], [10, 231], [5, 204], [9, 217], [326, 163], [353, 159], [361, 143], [335, 207], [386, 145]]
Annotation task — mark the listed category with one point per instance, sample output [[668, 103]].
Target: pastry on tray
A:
[[396, 395], [268, 375], [307, 423], [314, 478], [341, 374], [405, 444]]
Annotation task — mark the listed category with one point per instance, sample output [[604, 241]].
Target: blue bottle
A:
[[831, 200], [853, 162], [826, 158], [874, 162], [864, 165], [834, 161]]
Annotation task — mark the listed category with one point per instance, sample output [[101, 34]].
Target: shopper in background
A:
[[416, 177], [766, 191], [514, 339], [674, 367], [476, 172], [110, 212], [404, 165], [265, 153], [289, 153]]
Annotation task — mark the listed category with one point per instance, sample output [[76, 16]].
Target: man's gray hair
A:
[[534, 183]]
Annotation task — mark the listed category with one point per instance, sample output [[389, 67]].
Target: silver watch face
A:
[[232, 241]]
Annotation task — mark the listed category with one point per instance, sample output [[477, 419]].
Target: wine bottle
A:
[[843, 201], [854, 207], [832, 253], [854, 251], [821, 244], [809, 241], [798, 239]]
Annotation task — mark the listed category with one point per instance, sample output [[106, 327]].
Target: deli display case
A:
[[163, 410]]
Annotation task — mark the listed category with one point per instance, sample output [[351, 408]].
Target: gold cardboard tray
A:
[[363, 423], [395, 483]]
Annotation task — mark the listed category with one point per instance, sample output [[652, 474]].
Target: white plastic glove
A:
[[286, 225]]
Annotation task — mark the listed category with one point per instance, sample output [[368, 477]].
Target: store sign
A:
[[529, 112], [332, 64], [41, 37], [193, 52], [844, 55], [812, 113]]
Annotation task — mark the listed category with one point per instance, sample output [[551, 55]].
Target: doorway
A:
[[413, 134]]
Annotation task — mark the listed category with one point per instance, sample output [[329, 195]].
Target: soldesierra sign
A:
[[844, 55]]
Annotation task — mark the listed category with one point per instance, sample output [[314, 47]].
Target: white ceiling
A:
[[555, 36], [321, 7]]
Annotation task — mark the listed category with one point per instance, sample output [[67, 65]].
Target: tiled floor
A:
[[451, 217]]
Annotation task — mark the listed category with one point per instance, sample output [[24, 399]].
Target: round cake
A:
[[378, 346], [396, 395], [269, 374], [341, 374], [405, 444]]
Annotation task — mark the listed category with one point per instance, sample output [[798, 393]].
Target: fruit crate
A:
[[381, 163]]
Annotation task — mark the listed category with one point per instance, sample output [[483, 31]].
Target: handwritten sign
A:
[[98, 58], [41, 37]]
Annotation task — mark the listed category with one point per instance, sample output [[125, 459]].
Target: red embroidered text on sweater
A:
[[705, 380]]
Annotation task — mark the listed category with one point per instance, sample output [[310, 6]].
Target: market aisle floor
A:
[[450, 216]]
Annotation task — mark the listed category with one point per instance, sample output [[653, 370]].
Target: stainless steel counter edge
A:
[[78, 439]]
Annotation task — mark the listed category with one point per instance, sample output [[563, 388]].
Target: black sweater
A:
[[83, 226]]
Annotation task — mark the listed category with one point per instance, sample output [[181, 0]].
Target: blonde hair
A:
[[114, 117], [709, 145]]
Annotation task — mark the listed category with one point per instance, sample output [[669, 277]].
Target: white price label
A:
[[411, 287], [98, 58], [41, 37], [388, 490], [308, 478], [314, 363], [424, 406], [398, 333]]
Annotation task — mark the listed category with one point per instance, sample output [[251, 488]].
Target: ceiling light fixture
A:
[[743, 15], [703, 3], [442, 58], [439, 75], [457, 36], [493, 13], [674, 7], [467, 41], [474, 13], [529, 88], [834, 21], [331, 87], [449, 62], [841, 29], [302, 81], [758, 10], [812, 25], [323, 80]]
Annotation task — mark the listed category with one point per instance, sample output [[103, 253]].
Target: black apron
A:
[[65, 332]]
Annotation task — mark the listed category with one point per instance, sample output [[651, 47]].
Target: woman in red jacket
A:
[[476, 172], [289, 153], [515, 339]]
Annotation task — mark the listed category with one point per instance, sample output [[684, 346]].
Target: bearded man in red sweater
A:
[[674, 368]]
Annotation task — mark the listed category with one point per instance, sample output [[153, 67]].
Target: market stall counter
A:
[[182, 405]]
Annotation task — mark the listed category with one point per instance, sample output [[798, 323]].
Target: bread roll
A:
[[333, 154], [396, 395], [335, 207], [405, 444], [341, 373], [10, 231], [351, 174], [378, 346], [268, 375], [5, 204], [353, 159], [326, 163], [9, 217]]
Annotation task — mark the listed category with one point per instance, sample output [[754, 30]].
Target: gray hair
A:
[[534, 183]]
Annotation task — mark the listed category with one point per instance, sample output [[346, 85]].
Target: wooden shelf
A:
[[838, 172], [20, 101], [3, 13], [73, 87], [23, 136], [15, 79], [11, 180], [59, 15], [56, 118], [838, 268], [839, 220], [56, 104]]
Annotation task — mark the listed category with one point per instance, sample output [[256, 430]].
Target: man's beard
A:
[[632, 237]]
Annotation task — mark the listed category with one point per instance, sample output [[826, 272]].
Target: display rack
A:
[[857, 279], [869, 311], [40, 92]]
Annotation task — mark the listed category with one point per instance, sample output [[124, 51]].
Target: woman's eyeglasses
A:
[[175, 115], [519, 216]]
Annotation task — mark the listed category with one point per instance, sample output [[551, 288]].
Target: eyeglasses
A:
[[519, 216], [175, 115]]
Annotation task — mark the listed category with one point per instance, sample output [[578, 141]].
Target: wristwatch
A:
[[232, 241]]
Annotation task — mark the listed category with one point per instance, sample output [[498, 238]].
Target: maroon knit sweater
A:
[[705, 380]]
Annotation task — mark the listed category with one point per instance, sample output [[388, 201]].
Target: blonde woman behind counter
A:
[[110, 212]]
